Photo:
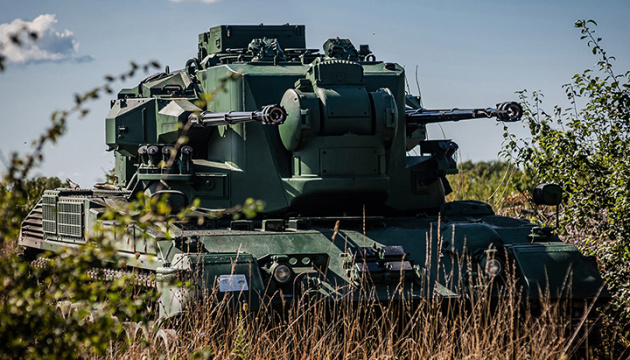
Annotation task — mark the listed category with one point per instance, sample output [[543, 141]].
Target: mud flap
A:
[[556, 270]]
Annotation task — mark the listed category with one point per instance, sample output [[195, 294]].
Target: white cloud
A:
[[203, 1], [51, 44]]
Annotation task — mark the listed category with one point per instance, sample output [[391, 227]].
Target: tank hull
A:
[[328, 258]]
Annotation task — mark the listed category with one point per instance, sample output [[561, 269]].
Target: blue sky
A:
[[468, 54]]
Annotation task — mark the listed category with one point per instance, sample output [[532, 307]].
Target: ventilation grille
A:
[[49, 213], [70, 218]]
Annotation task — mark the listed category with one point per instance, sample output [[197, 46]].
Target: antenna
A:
[[407, 83], [418, 86]]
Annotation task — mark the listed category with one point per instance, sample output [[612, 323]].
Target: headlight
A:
[[493, 267], [282, 273]]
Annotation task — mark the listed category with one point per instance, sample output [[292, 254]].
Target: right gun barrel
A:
[[507, 111]]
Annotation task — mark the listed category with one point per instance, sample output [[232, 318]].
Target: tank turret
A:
[[341, 144]]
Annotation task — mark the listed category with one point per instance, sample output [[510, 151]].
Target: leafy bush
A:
[[35, 321], [586, 149]]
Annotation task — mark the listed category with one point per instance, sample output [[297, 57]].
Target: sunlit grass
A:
[[471, 327]]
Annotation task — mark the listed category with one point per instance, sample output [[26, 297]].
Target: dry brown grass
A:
[[469, 328]]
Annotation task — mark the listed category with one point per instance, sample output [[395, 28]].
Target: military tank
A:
[[323, 138]]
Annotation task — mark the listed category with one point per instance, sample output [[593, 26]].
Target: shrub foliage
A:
[[35, 321], [586, 149]]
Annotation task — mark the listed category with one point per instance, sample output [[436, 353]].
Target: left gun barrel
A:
[[268, 115]]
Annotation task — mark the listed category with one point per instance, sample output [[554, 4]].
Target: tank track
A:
[[144, 279]]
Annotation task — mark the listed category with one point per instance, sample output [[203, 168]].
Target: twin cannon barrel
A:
[[276, 115]]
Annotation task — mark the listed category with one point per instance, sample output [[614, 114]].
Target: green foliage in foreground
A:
[[35, 321], [586, 149]]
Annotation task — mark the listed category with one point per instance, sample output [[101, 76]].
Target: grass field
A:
[[467, 328]]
